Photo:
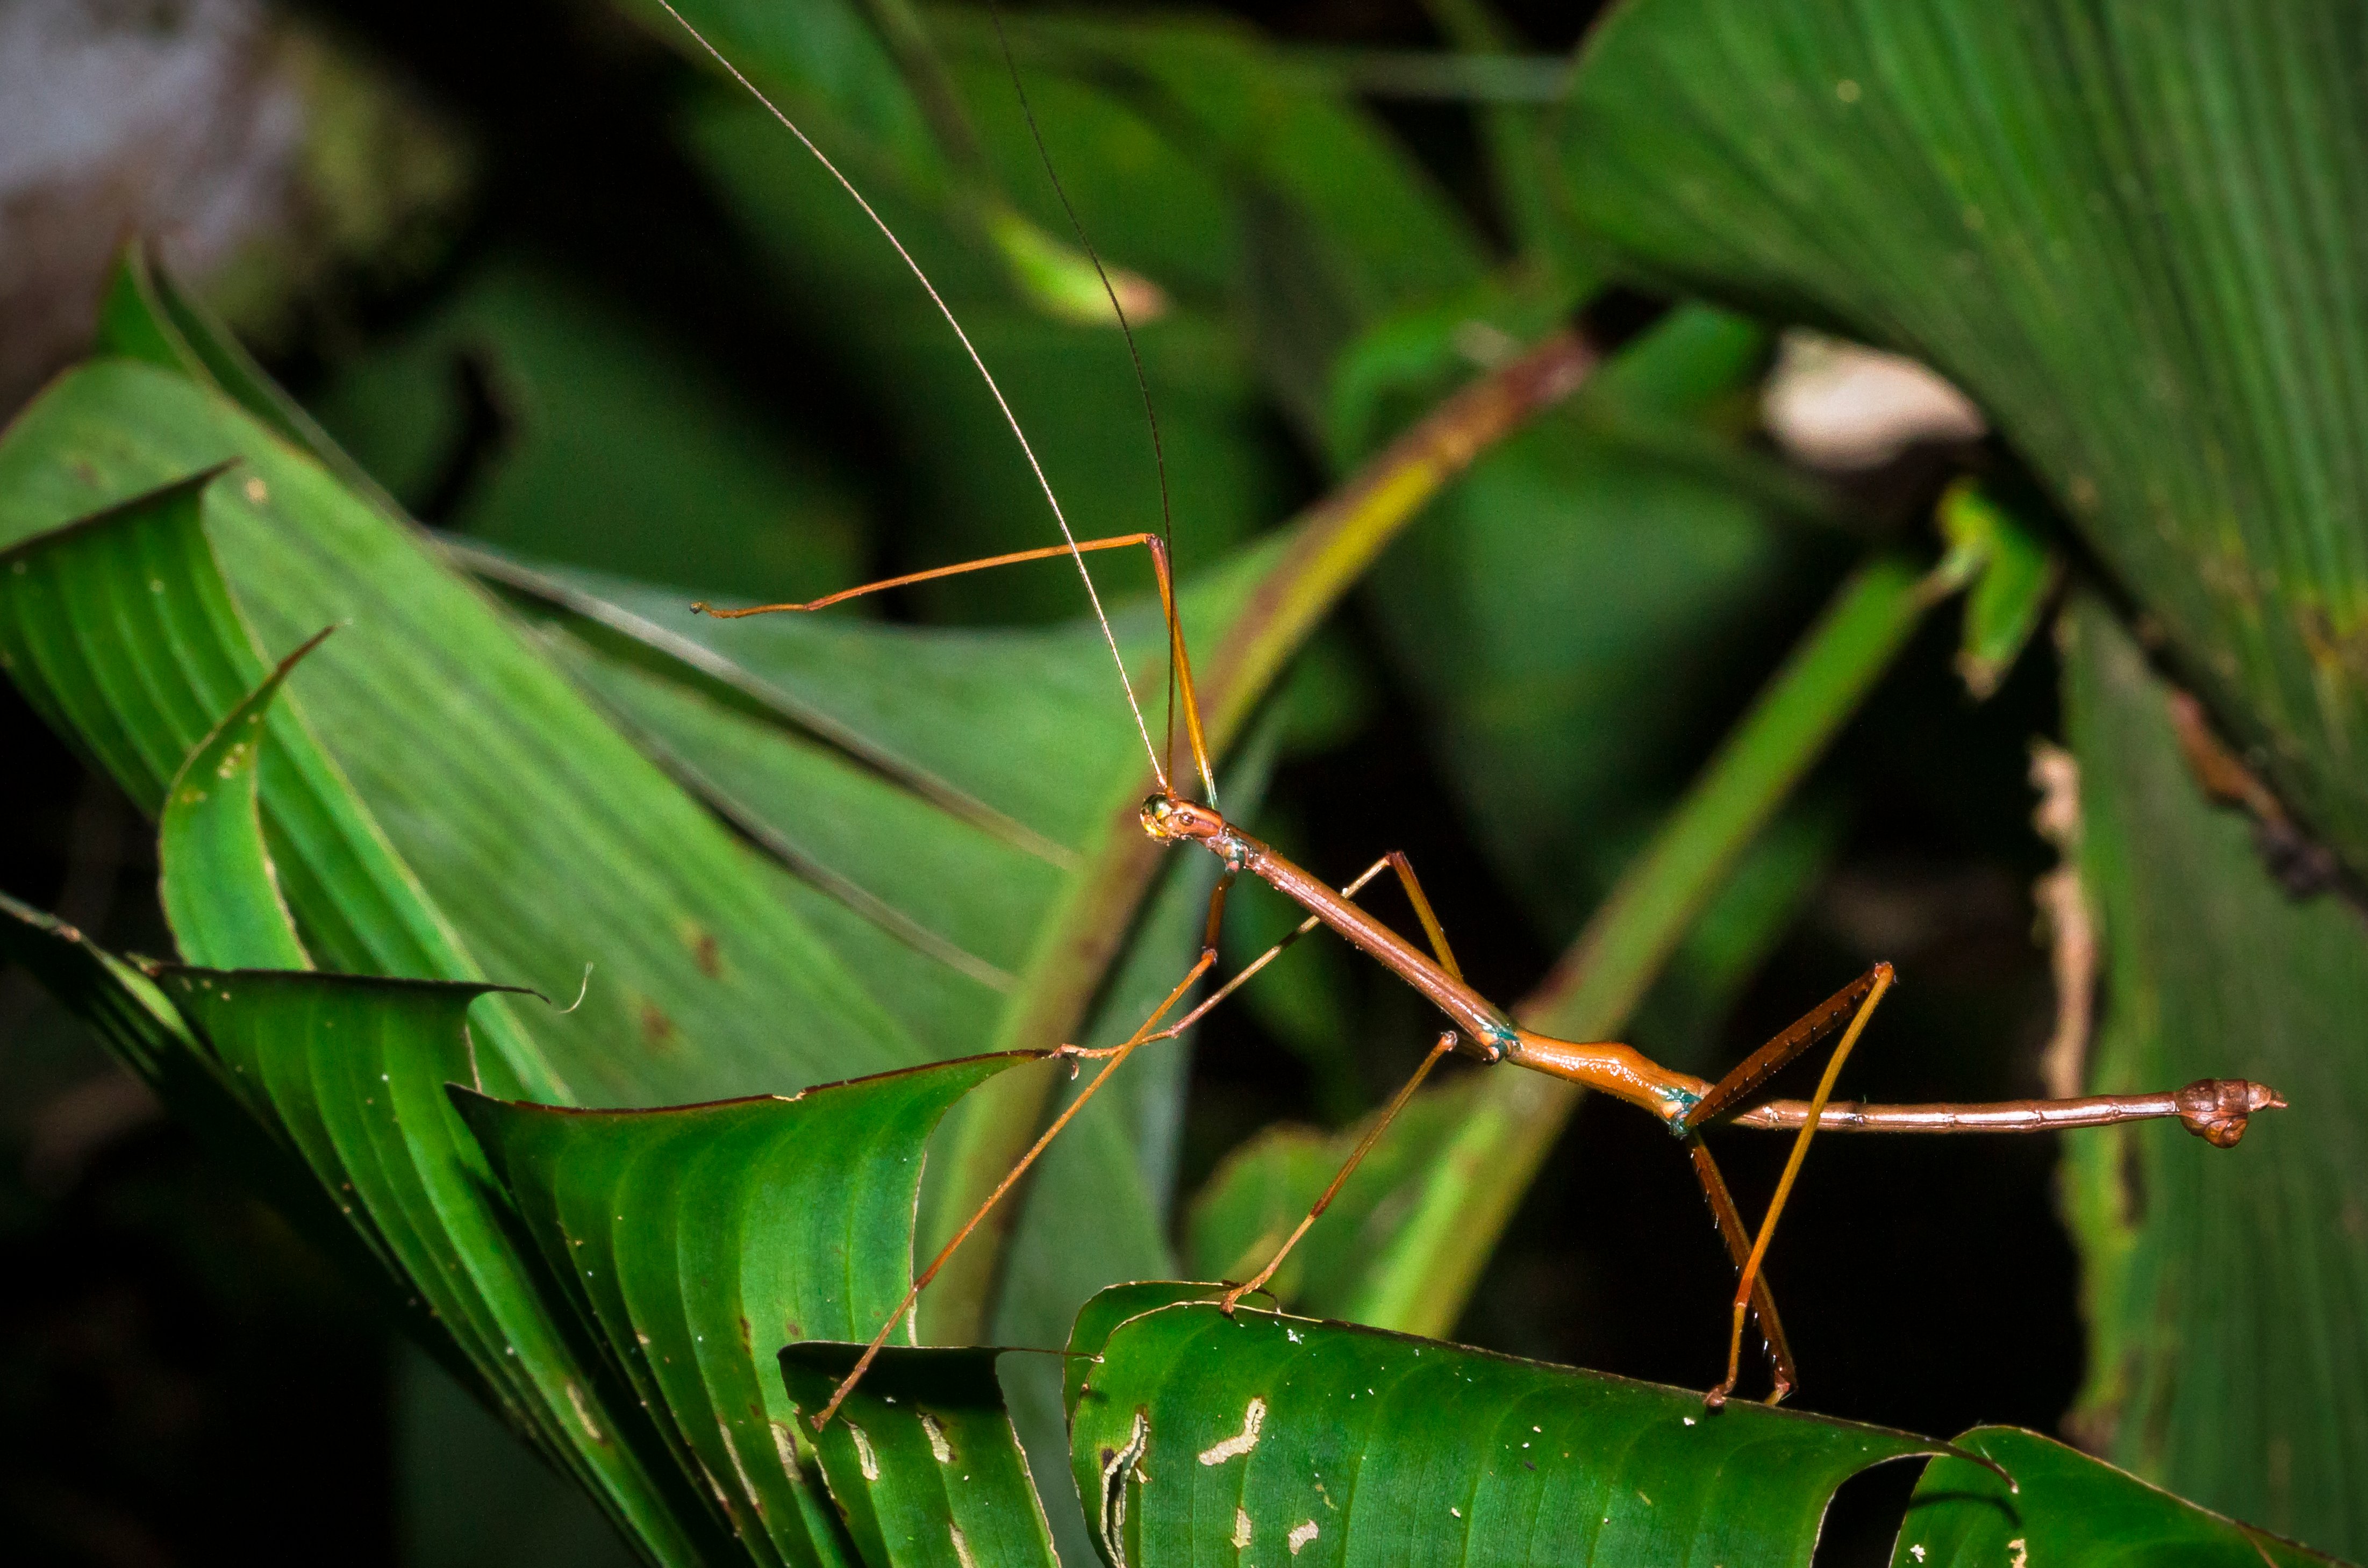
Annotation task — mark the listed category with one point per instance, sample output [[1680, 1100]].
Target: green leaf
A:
[[2063, 1508], [2014, 574], [2129, 228], [221, 891], [696, 1243], [922, 1460], [2224, 1292], [537, 830], [351, 1071], [1338, 1444], [962, 790], [178, 658]]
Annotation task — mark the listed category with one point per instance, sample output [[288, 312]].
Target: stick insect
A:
[[2215, 1109]]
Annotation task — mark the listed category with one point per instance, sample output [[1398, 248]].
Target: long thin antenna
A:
[[1134, 350], [1141, 728]]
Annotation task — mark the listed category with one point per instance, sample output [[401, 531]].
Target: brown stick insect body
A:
[[2215, 1109]]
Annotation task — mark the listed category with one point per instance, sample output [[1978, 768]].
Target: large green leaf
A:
[[2225, 1294], [696, 1243], [954, 783], [351, 1073], [220, 889], [166, 576], [2063, 1508], [957, 784], [1209, 1438], [177, 660], [2131, 228], [532, 825], [1198, 1434]]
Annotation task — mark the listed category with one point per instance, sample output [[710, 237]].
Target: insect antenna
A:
[[1093, 596], [1126, 329]]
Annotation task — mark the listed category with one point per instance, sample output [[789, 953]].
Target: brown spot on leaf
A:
[[705, 950], [656, 1027]]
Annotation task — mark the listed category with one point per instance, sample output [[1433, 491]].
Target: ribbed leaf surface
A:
[[175, 660], [696, 1243], [1200, 1437], [351, 1071], [2136, 230], [2226, 1293], [922, 1458], [494, 781], [2065, 1507]]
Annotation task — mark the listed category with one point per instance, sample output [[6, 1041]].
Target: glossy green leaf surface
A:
[[2224, 1291], [351, 1073], [2063, 1508], [220, 890], [695, 1242], [178, 659], [921, 1459], [914, 784], [2131, 230], [956, 798], [1199, 1435], [954, 782], [493, 778]]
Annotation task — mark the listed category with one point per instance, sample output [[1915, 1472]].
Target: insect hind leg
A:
[[1867, 995]]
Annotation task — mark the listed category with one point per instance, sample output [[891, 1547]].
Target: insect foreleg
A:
[[1180, 659]]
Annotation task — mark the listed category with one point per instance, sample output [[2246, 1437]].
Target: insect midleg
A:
[[1882, 976], [1396, 860]]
